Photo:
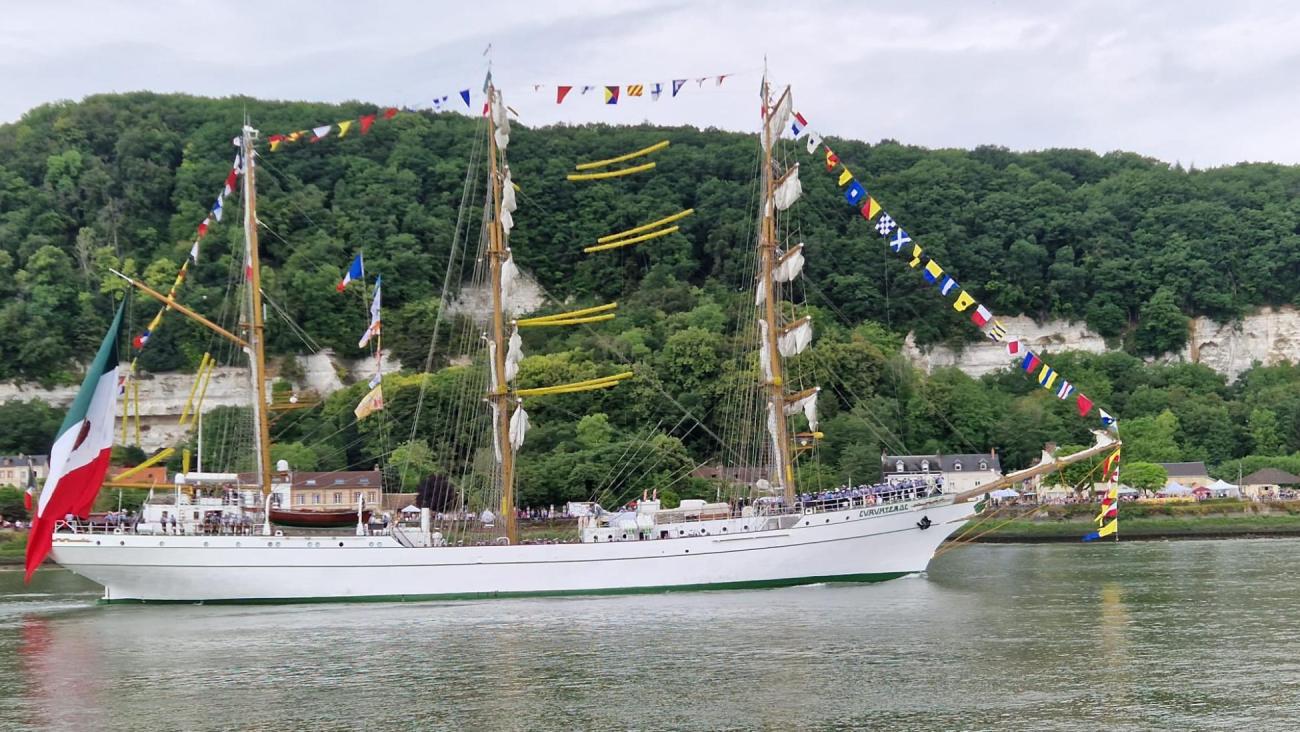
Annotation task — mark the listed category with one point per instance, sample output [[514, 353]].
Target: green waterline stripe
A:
[[658, 589]]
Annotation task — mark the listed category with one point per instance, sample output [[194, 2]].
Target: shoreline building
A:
[[959, 472]]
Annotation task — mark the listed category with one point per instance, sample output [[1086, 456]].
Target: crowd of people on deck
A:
[[873, 494]]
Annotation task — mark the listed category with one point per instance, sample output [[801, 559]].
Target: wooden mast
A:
[[782, 470], [500, 397], [256, 328]]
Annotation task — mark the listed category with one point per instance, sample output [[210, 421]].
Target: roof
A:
[[24, 461], [341, 479], [1185, 470], [939, 463], [1270, 476]]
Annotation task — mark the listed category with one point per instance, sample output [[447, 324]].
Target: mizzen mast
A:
[[256, 327], [498, 254]]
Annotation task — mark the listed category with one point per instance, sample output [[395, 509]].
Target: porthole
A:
[[160, 543], [121, 543], [724, 529], [688, 551], [238, 544], [268, 545], [340, 543], [681, 532], [828, 521], [205, 543], [96, 542], [746, 528]]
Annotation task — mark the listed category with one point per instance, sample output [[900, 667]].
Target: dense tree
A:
[[1131, 245]]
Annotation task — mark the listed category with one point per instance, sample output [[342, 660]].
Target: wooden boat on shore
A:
[[318, 519]]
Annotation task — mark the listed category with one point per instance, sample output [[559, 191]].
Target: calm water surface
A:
[[1179, 635]]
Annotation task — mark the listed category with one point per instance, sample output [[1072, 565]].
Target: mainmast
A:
[[256, 329], [782, 472], [499, 395]]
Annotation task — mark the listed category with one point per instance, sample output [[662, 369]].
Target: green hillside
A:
[[1129, 244]]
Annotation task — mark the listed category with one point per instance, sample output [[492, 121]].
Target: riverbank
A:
[[1222, 519]]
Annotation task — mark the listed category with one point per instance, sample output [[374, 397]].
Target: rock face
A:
[[163, 396], [1268, 336]]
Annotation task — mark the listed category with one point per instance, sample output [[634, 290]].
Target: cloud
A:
[[1194, 82]]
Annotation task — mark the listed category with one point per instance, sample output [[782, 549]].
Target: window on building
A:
[[356, 496], [311, 481], [984, 465], [339, 481], [925, 465], [363, 481], [338, 497], [315, 498], [298, 499], [898, 466], [956, 465], [370, 496]]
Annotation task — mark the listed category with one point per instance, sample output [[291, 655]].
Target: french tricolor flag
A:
[[798, 126], [355, 271]]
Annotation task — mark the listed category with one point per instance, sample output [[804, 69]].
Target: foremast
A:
[[779, 339]]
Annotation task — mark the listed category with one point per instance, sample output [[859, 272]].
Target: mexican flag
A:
[[79, 458]]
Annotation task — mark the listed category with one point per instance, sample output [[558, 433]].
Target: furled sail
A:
[[514, 354], [508, 202], [780, 115], [777, 463], [509, 273], [789, 191], [492, 371], [496, 430], [507, 221], [794, 340], [764, 356], [518, 426], [502, 121], [806, 404], [789, 265]]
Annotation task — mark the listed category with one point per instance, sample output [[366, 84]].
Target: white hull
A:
[[858, 544]]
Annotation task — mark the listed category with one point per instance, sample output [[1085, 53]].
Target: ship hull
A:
[[855, 545]]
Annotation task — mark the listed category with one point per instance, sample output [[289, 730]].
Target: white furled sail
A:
[[509, 273], [780, 115], [793, 341], [760, 292], [789, 265], [496, 427], [508, 202], [518, 426], [808, 405], [514, 354], [492, 372], [789, 191], [502, 121], [764, 357], [778, 465], [507, 221]]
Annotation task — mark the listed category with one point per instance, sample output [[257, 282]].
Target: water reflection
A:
[[1133, 636]]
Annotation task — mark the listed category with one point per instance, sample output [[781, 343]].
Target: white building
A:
[[959, 472]]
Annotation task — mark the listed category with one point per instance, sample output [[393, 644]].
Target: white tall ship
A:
[[777, 538]]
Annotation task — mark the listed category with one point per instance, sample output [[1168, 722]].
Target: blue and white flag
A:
[[885, 224], [899, 239], [947, 285]]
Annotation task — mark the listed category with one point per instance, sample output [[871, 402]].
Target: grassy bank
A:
[[13, 544], [1206, 519]]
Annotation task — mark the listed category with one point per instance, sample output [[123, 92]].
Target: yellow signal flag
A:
[[963, 302], [934, 270], [343, 127], [916, 256], [845, 177], [1109, 528], [635, 90]]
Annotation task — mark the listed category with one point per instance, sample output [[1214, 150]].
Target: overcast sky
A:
[[1204, 83]]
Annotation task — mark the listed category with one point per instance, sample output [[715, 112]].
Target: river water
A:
[[1135, 635]]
